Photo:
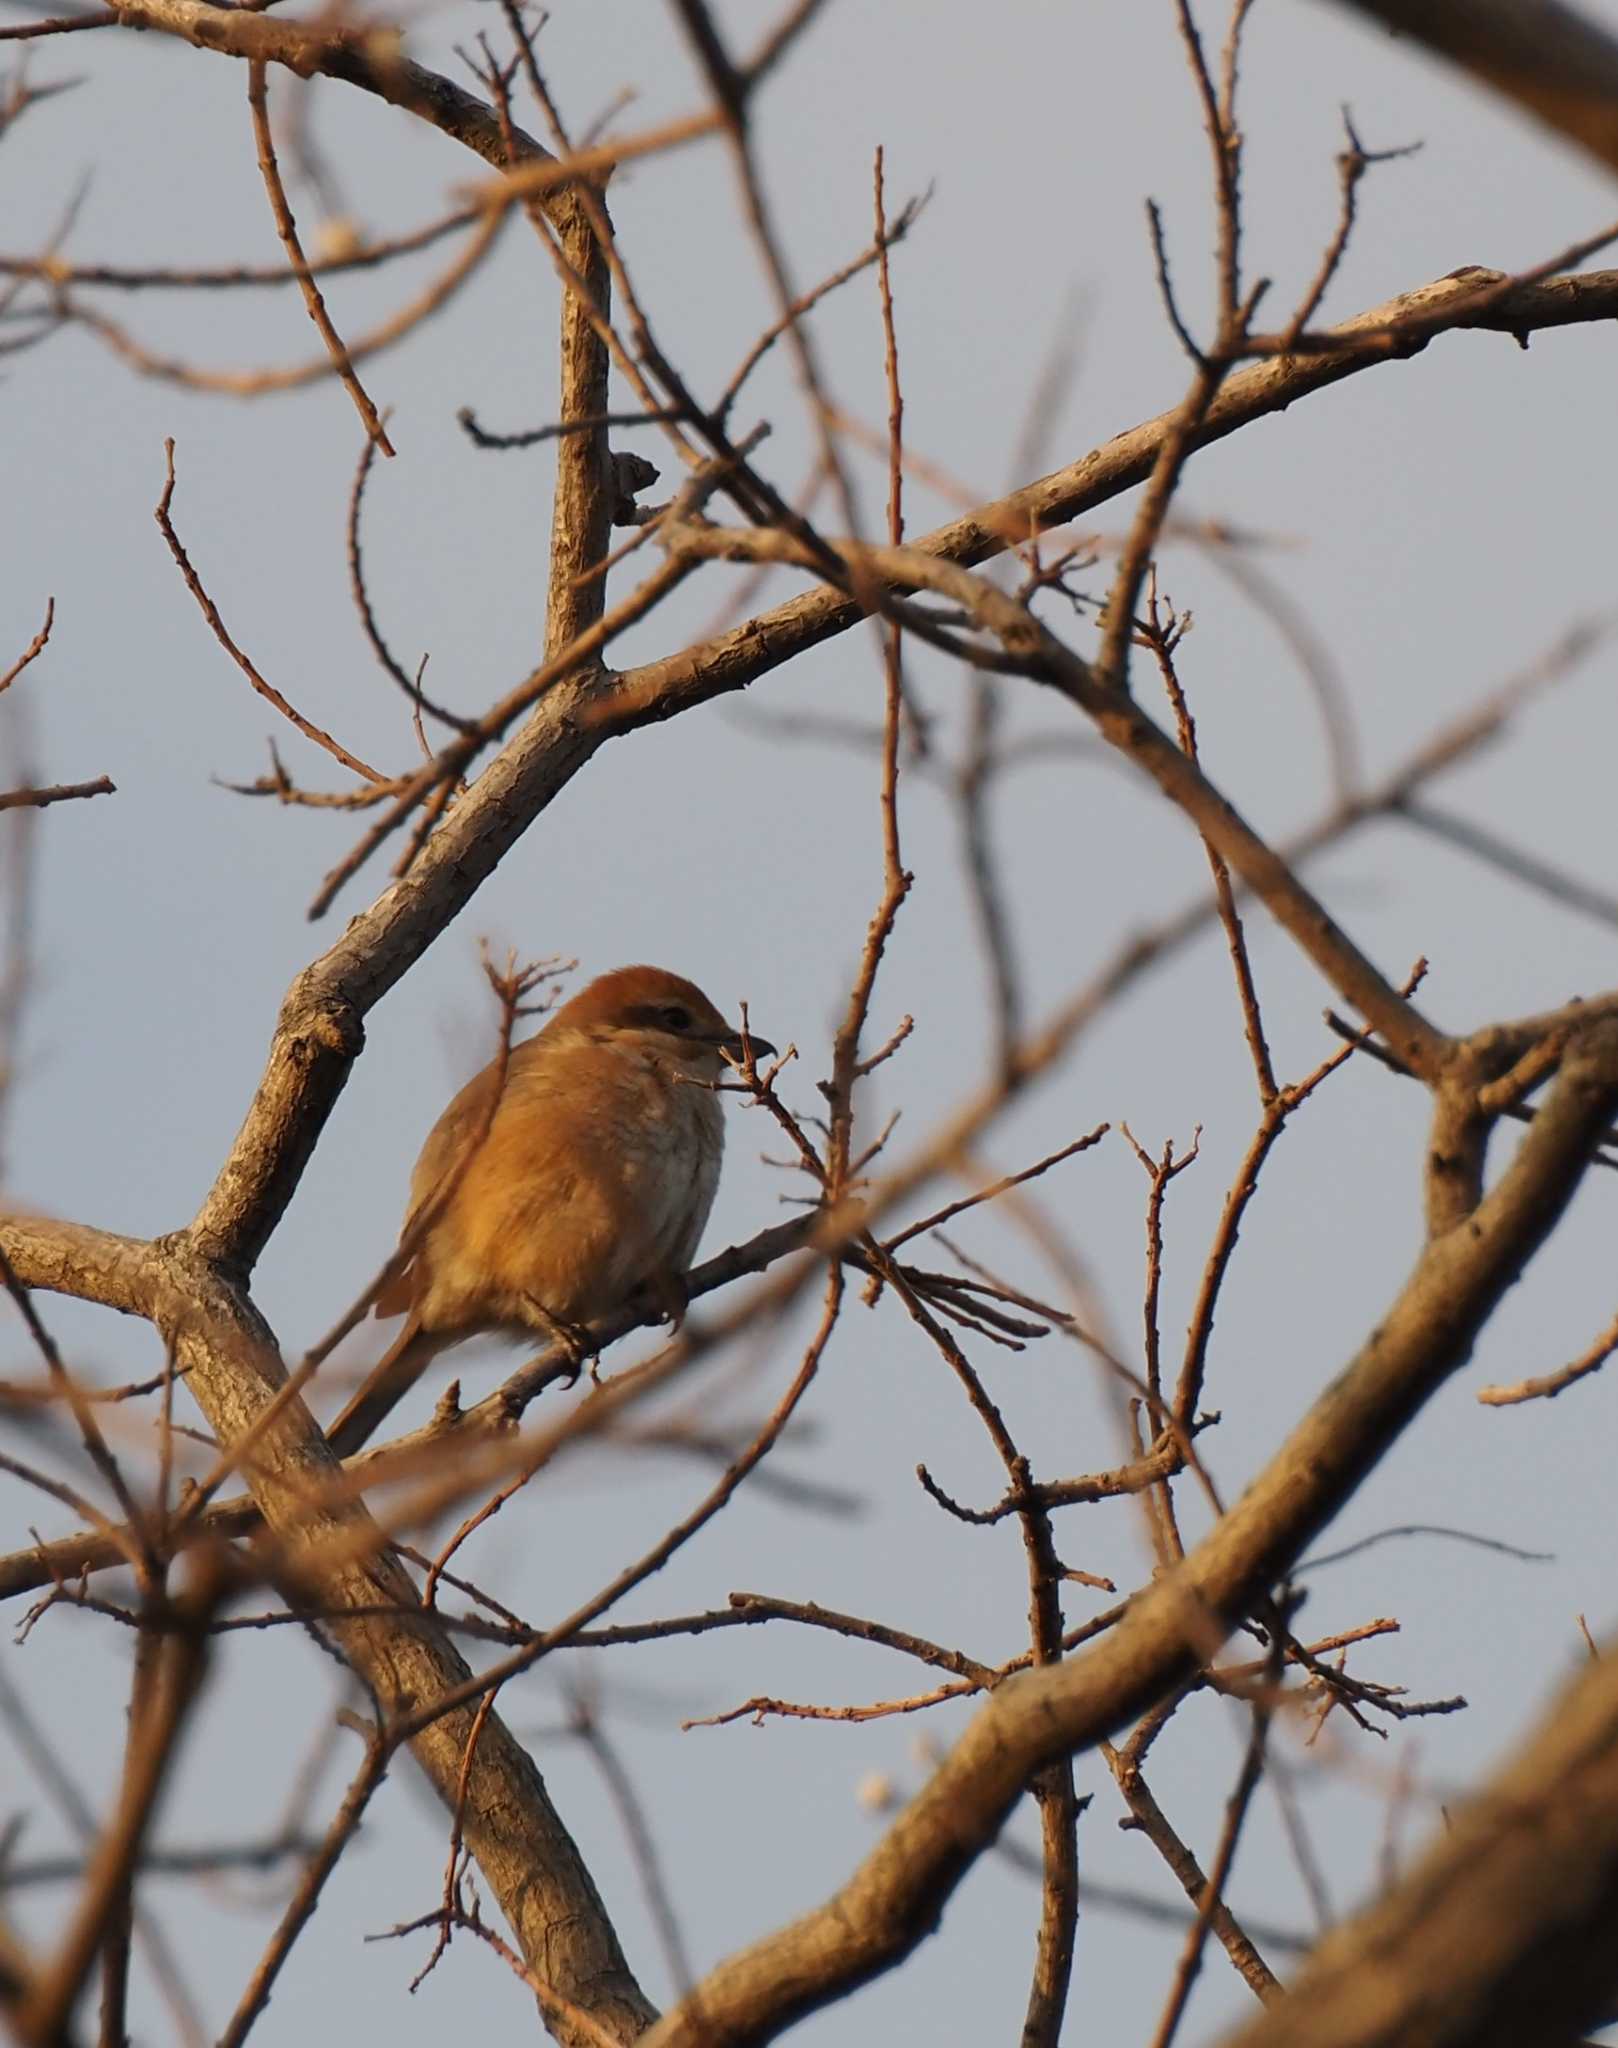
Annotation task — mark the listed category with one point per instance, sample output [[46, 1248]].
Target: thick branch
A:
[[1038, 653], [66, 1258], [581, 506], [318, 1034], [896, 1896], [399, 1652], [371, 58], [90, 1265], [1502, 1934], [739, 657]]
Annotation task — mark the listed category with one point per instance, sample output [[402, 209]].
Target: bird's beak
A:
[[731, 1046]]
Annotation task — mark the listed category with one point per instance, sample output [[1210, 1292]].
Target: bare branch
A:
[[1558, 63], [1424, 1336], [286, 228]]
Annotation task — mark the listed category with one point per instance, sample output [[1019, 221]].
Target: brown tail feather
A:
[[403, 1363], [399, 1294]]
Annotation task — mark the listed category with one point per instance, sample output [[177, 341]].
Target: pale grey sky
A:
[[1440, 521]]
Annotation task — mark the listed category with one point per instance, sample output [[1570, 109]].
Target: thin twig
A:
[[210, 612], [1549, 1385], [287, 228], [361, 595], [33, 650], [56, 793]]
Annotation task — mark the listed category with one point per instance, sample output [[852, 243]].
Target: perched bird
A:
[[589, 1179]]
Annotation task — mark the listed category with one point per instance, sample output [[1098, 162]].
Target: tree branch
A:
[[1559, 64], [896, 1896]]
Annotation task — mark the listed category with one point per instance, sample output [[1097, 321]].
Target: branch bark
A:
[[320, 1029], [400, 1653], [897, 1895], [1501, 1936], [732, 660]]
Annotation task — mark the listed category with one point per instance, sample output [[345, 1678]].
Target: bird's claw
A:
[[574, 1339], [664, 1295]]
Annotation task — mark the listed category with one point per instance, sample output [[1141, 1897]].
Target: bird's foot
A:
[[574, 1339], [665, 1295]]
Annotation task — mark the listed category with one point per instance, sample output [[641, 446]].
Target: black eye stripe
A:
[[664, 1017]]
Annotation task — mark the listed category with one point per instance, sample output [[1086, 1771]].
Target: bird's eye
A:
[[676, 1017]]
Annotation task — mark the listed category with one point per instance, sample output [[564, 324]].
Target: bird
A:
[[551, 1195]]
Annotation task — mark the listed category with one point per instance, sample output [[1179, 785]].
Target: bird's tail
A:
[[403, 1363]]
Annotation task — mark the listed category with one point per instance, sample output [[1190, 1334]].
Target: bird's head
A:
[[670, 1014]]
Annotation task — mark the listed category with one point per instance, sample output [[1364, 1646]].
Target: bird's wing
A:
[[448, 1146]]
